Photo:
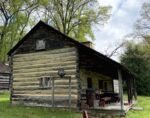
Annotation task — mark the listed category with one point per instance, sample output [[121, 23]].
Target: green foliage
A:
[[14, 18], [72, 17], [75, 17], [142, 26], [137, 59], [137, 56]]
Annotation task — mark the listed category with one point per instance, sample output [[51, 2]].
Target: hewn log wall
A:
[[28, 68], [4, 81]]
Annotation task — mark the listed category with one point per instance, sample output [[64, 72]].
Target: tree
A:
[[137, 55], [14, 17], [137, 59], [74, 17], [142, 25], [114, 51]]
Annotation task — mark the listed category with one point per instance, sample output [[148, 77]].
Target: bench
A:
[[104, 100]]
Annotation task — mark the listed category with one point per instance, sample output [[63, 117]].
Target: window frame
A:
[[39, 46], [45, 82]]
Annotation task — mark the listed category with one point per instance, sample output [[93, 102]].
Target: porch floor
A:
[[113, 108]]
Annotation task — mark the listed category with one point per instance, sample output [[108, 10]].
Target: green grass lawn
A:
[[143, 102], [8, 111]]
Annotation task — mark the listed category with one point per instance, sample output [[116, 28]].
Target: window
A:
[[105, 86], [40, 44], [116, 86], [100, 84], [45, 82], [89, 82]]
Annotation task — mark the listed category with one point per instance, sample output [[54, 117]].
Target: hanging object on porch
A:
[[61, 72]]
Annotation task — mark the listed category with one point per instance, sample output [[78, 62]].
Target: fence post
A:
[[70, 93], [52, 91]]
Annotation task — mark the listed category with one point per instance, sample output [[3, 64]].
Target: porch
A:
[[106, 99], [111, 110], [98, 91], [115, 106], [107, 104]]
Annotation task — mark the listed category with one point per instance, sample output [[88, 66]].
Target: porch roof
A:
[[94, 61]]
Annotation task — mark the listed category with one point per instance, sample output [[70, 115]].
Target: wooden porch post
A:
[[129, 90], [120, 88], [113, 86], [135, 93]]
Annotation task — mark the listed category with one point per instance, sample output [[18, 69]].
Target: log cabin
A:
[[4, 76], [50, 69]]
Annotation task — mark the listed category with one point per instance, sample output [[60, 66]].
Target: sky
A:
[[124, 14]]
